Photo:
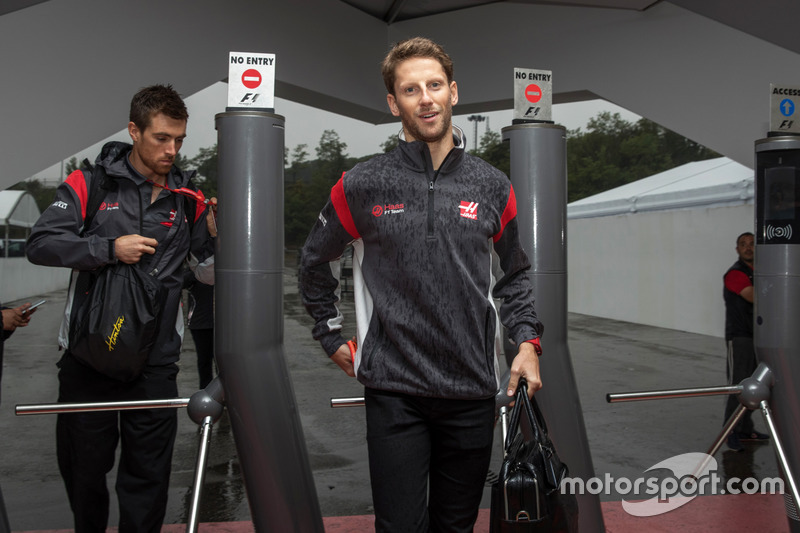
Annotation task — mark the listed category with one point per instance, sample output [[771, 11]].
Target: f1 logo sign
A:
[[249, 98]]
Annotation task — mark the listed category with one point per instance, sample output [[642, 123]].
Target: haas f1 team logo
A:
[[388, 209], [469, 210]]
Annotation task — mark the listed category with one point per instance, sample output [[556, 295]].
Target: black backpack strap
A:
[[100, 183], [190, 205]]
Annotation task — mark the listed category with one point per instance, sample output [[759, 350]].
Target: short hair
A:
[[410, 48], [155, 99], [745, 234]]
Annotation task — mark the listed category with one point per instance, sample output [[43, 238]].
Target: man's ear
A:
[[392, 101], [453, 93], [134, 132]]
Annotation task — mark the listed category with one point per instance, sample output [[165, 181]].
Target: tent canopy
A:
[[18, 208], [710, 183]]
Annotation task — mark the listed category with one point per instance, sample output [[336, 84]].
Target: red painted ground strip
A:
[[709, 514]]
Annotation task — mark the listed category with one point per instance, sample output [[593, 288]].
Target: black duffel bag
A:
[[117, 324], [527, 496]]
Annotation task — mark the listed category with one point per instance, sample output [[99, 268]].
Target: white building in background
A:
[[20, 279], [654, 251]]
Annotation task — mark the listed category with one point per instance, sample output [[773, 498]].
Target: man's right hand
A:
[[129, 248]]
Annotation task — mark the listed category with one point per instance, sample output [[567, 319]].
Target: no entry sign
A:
[[533, 95], [251, 81], [251, 78]]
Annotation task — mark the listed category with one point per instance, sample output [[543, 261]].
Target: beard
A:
[[432, 133]]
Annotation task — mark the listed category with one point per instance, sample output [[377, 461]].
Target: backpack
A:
[[115, 327]]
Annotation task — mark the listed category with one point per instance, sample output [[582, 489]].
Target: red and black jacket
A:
[[58, 239], [423, 240]]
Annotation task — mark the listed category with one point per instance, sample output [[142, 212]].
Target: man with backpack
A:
[[128, 211]]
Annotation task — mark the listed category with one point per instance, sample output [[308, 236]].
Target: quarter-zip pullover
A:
[[423, 241]]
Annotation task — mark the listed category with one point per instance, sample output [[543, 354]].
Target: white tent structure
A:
[[18, 213], [654, 251], [19, 278]]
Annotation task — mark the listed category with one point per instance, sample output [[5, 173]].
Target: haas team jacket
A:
[[423, 284], [57, 238]]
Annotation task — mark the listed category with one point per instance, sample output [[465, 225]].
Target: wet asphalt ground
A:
[[607, 356]]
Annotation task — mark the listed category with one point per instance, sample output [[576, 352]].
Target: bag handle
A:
[[532, 413]]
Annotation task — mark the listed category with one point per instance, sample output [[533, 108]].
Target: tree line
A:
[[611, 152]]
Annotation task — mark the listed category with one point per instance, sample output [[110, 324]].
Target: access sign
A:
[[251, 81], [533, 95], [784, 115]]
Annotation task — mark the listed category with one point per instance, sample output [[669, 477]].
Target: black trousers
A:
[[428, 460], [86, 445], [742, 363], [204, 346]]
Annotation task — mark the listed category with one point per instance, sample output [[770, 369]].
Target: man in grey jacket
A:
[[140, 214], [424, 220]]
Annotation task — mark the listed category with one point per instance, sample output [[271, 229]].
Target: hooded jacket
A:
[[57, 239], [422, 268]]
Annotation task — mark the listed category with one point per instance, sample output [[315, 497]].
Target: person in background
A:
[[738, 295], [12, 318]]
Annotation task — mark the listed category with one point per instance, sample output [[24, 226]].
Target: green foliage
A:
[[299, 155], [390, 143], [613, 152], [71, 166], [308, 184], [610, 153], [494, 151], [205, 162]]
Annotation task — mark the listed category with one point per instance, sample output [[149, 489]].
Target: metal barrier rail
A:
[[348, 402], [674, 393], [59, 408], [753, 393], [204, 408]]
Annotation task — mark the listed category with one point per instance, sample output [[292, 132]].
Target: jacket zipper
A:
[[430, 207], [431, 195]]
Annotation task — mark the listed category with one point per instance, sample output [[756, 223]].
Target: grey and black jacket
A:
[[423, 240], [57, 238]]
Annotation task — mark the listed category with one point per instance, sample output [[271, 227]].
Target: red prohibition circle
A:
[[377, 210], [251, 78], [533, 93]]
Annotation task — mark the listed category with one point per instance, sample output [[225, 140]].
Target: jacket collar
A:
[[417, 156], [114, 158]]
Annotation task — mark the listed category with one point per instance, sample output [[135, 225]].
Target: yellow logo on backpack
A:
[[112, 339]]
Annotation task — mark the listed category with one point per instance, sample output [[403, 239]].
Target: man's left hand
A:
[[525, 365]]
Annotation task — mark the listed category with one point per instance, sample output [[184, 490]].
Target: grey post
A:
[[249, 325], [777, 288], [539, 177]]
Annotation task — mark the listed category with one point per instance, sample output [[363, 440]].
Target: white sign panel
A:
[[784, 115], [251, 80], [533, 95]]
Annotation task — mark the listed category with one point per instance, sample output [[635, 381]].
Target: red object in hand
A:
[[353, 347]]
